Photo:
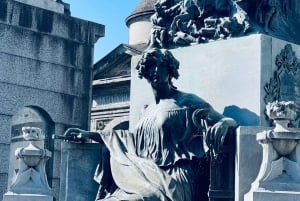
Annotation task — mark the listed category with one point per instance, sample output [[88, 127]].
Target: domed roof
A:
[[145, 7]]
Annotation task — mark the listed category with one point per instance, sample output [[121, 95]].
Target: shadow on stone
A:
[[243, 116]]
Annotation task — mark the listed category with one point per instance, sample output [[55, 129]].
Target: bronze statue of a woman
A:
[[155, 161]]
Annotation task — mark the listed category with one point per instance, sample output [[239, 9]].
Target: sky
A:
[[112, 14]]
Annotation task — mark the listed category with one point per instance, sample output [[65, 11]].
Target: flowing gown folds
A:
[[153, 162]]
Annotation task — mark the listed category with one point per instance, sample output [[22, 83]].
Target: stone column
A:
[[31, 182]]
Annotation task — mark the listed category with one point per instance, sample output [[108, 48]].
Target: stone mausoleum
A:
[[46, 61], [242, 57]]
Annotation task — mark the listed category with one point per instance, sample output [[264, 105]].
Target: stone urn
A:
[[31, 180], [32, 154], [280, 167], [284, 138]]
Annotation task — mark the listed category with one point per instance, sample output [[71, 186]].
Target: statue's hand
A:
[[77, 135], [216, 134]]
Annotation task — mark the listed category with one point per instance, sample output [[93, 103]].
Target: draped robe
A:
[[154, 162]]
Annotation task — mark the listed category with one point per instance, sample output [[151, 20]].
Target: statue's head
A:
[[154, 58]]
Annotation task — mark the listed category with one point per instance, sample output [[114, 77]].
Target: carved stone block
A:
[[79, 162]]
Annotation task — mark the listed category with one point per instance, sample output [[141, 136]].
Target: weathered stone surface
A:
[[68, 109], [59, 130], [4, 158], [3, 183], [5, 129], [43, 75], [248, 159], [55, 186], [79, 162], [37, 47], [63, 26], [45, 4], [56, 155]]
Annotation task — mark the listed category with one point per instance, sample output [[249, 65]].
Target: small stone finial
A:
[[33, 134]]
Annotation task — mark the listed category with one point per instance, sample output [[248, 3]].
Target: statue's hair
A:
[[156, 56]]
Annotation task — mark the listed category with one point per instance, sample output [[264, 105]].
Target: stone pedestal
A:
[[277, 181], [31, 180], [279, 175], [79, 162]]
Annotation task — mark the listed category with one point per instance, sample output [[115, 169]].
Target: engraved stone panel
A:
[[284, 85]]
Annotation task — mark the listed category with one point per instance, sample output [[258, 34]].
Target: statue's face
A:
[[158, 74]]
